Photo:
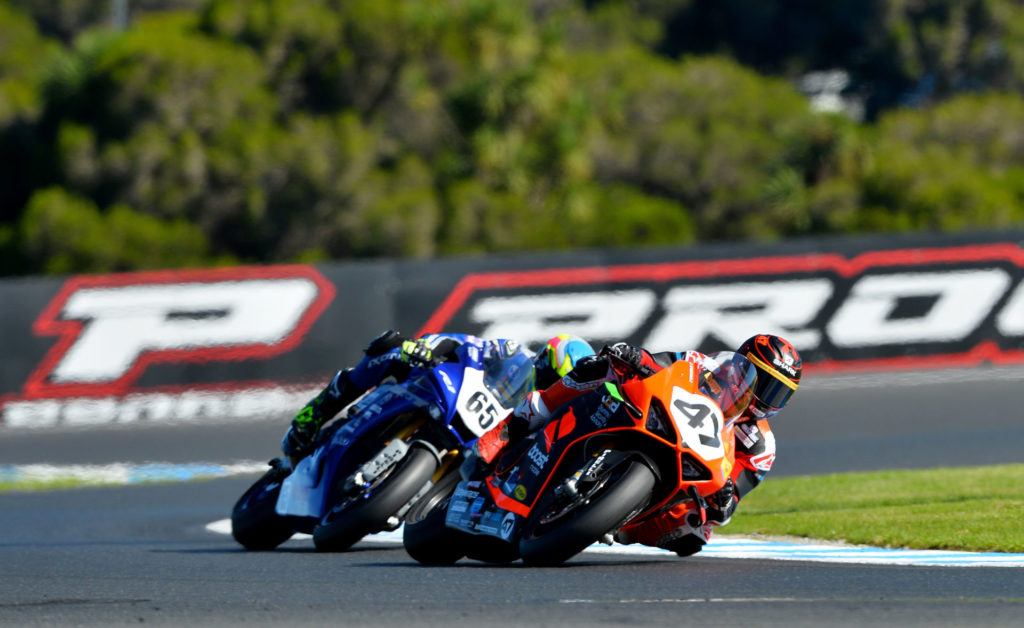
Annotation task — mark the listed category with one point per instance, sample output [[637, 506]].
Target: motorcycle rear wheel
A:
[[552, 542], [340, 529], [426, 538], [254, 522]]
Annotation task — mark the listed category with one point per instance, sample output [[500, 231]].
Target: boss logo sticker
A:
[[537, 457]]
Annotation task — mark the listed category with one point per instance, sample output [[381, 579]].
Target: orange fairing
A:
[[698, 420]]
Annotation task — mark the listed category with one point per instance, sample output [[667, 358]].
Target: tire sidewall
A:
[[371, 515], [587, 524], [255, 523]]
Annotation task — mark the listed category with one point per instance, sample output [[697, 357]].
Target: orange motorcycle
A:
[[608, 459]]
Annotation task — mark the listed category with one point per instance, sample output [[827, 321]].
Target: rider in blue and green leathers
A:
[[393, 355]]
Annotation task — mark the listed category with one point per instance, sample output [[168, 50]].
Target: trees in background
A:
[[266, 130]]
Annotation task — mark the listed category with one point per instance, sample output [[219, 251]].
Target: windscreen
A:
[[729, 381], [508, 373]]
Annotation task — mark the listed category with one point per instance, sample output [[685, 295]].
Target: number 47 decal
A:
[[697, 414]]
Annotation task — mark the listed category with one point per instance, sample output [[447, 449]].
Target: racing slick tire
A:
[[351, 520], [551, 537], [254, 522]]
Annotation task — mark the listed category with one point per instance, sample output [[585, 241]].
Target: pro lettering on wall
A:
[[240, 342], [903, 308]]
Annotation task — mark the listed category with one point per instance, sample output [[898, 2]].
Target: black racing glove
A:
[[722, 503], [626, 355]]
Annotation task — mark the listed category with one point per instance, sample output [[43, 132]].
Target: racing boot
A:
[[299, 439]]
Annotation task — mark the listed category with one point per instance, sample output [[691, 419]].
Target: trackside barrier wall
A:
[[252, 341]]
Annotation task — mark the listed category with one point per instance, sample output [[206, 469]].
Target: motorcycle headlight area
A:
[[658, 421]]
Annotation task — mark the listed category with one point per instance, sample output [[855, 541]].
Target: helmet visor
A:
[[771, 391]]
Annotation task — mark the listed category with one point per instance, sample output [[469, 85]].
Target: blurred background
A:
[[206, 202], [141, 134], [207, 207]]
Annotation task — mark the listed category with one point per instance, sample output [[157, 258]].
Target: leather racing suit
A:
[[678, 529], [389, 355]]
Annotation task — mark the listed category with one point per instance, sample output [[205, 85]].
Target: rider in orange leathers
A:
[[679, 529]]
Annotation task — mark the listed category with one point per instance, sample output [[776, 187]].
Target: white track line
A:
[[724, 546], [124, 472]]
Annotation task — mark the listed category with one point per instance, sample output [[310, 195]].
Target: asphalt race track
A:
[[142, 554]]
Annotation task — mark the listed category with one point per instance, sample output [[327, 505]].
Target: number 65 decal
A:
[[699, 422], [478, 408], [485, 410]]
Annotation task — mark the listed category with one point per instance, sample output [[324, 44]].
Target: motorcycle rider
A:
[[393, 355], [680, 529]]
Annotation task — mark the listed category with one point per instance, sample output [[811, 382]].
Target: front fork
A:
[[595, 470]]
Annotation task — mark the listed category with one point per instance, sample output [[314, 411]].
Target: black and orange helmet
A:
[[778, 367]]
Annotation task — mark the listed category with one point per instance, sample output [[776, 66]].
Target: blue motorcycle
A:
[[396, 442]]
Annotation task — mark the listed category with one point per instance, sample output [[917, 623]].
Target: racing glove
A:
[[722, 504], [626, 359], [417, 353]]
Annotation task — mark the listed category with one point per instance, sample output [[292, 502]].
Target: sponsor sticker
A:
[[608, 407], [537, 457], [508, 525]]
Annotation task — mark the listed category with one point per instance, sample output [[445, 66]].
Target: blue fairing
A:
[[506, 371]]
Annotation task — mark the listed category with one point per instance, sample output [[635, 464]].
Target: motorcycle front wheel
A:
[[369, 512], [254, 522], [556, 530]]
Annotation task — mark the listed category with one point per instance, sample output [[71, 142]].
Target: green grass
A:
[[975, 509]]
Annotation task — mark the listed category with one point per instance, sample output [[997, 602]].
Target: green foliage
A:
[[325, 129], [706, 132], [72, 235], [897, 51], [23, 54], [954, 166]]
